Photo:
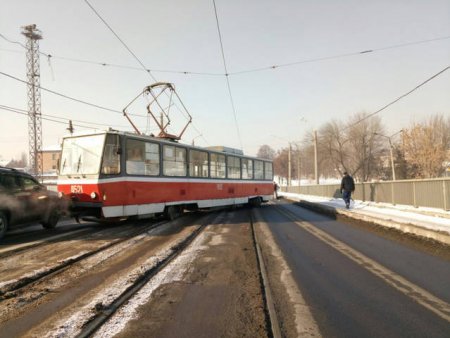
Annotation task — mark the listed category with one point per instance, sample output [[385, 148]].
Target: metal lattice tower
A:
[[33, 36]]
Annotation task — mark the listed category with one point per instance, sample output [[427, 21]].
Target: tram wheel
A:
[[172, 212]]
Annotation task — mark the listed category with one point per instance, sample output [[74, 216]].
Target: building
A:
[[50, 159]]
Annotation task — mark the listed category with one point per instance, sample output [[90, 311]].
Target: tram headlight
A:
[[94, 195]]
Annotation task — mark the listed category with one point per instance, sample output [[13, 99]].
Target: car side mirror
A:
[[39, 187]]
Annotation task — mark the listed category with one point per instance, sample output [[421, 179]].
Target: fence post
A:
[[392, 193], [444, 190], [414, 194]]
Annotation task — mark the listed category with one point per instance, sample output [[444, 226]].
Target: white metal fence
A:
[[433, 193]]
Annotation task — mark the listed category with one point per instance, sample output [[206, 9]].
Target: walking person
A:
[[347, 187], [275, 190]]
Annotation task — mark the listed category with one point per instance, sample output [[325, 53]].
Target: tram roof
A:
[[216, 149]]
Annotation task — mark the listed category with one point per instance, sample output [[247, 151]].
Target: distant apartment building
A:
[[50, 159]]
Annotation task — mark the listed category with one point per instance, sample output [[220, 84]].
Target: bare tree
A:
[[265, 151], [352, 147], [334, 145], [364, 147], [22, 163], [426, 147], [280, 163]]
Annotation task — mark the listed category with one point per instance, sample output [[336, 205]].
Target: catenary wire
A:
[[336, 56], [226, 76], [64, 118], [399, 98], [105, 64], [70, 97], [136, 58], [14, 110]]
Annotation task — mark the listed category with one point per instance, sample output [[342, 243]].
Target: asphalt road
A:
[[359, 284]]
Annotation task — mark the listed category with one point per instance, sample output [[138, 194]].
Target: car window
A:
[[8, 182], [28, 183]]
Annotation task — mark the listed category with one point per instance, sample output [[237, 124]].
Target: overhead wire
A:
[[66, 119], [399, 98], [367, 51], [135, 57], [19, 111], [272, 67], [69, 97], [226, 76]]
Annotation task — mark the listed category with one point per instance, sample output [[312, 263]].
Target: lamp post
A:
[[289, 158], [193, 140], [390, 150]]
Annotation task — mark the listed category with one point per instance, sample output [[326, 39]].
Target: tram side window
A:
[[174, 161], [234, 167], [268, 171], [259, 170], [152, 159], [135, 157], [247, 169], [198, 163], [111, 156], [217, 165]]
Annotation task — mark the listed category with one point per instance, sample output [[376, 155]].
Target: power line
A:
[[70, 97], [275, 66], [399, 98], [121, 41], [336, 56], [105, 64], [62, 118], [135, 57], [21, 112], [226, 75]]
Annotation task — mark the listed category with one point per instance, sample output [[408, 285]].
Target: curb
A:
[[439, 236]]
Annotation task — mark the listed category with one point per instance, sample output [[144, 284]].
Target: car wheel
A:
[[3, 224], [52, 219]]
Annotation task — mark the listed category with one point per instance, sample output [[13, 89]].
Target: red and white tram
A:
[[114, 174]]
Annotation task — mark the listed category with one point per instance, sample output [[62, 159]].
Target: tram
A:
[[113, 175]]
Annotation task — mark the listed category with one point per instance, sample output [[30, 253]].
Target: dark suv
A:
[[23, 200]]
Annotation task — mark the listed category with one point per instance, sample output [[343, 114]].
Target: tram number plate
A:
[[76, 189], [219, 186]]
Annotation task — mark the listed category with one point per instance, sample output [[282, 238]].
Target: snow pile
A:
[[428, 218]]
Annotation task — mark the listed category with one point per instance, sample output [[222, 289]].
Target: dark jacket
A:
[[347, 183]]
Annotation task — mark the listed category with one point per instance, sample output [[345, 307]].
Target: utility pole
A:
[[391, 150], [392, 159], [289, 165], [33, 36], [316, 169]]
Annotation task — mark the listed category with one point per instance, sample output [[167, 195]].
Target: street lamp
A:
[[289, 158], [193, 140], [391, 150]]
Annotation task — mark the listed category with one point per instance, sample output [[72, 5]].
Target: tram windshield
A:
[[82, 155]]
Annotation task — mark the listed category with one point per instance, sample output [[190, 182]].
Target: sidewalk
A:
[[425, 222]]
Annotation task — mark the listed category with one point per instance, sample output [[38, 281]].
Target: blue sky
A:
[[285, 102]]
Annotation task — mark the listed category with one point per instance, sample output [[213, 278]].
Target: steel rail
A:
[[271, 314], [10, 290], [105, 313]]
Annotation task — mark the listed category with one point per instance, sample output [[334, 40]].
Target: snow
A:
[[432, 222], [72, 325], [173, 272]]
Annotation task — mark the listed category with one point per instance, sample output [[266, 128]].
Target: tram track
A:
[[146, 259], [12, 249], [102, 316], [11, 289]]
